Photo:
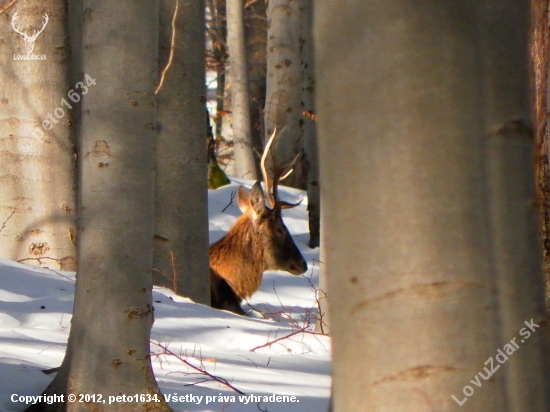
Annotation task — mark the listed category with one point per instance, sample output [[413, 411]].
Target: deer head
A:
[[30, 40], [258, 241]]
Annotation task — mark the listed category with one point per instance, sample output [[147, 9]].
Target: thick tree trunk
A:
[[181, 209], [427, 237], [245, 164], [108, 349], [37, 156], [284, 83]]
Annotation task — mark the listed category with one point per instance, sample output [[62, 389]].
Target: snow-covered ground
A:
[[35, 314]]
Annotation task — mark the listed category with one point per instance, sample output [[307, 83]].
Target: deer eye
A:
[[280, 231]]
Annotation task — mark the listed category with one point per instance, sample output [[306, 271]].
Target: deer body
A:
[[258, 241]]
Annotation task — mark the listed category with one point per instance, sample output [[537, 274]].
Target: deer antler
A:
[[279, 173]]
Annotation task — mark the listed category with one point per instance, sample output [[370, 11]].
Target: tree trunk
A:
[[181, 208], [108, 349], [255, 34], [539, 61], [245, 164], [516, 250], [427, 236], [310, 160], [284, 85], [37, 155]]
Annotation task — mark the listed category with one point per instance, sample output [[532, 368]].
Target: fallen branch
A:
[[301, 330]]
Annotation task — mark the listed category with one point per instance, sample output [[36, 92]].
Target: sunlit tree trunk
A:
[[284, 82], [108, 349], [181, 209], [245, 164], [431, 241], [37, 155]]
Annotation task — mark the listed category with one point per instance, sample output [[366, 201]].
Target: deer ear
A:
[[257, 199], [243, 199]]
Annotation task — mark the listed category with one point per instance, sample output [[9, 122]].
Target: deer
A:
[[258, 241], [30, 40]]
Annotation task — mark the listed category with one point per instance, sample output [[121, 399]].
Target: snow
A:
[[35, 314]]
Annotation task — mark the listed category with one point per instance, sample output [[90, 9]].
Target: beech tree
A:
[[539, 58], [108, 349], [181, 208], [284, 82], [255, 34], [37, 155], [310, 160], [245, 162], [428, 220]]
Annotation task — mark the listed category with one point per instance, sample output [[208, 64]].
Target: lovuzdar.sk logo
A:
[[29, 39]]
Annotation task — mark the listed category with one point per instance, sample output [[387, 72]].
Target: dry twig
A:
[[5, 9], [9, 217], [202, 371]]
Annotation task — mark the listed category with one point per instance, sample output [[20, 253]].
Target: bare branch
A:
[[230, 202], [172, 47], [201, 371], [5, 9], [6, 221]]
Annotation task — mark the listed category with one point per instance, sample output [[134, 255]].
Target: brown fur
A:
[[238, 258], [258, 241]]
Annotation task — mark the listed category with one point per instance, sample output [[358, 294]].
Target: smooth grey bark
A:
[[310, 160], [284, 83], [510, 166], [181, 208], [108, 349], [37, 198], [426, 236], [245, 164], [323, 317]]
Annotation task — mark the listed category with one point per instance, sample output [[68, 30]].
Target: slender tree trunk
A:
[[284, 85], [218, 37], [37, 199], [539, 62], [310, 160], [245, 164], [181, 208], [108, 349], [428, 237], [255, 34]]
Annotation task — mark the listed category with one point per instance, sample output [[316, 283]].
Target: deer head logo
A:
[[29, 47]]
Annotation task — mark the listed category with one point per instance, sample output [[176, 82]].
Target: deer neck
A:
[[238, 258]]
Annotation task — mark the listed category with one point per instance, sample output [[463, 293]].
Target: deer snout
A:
[[298, 267]]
